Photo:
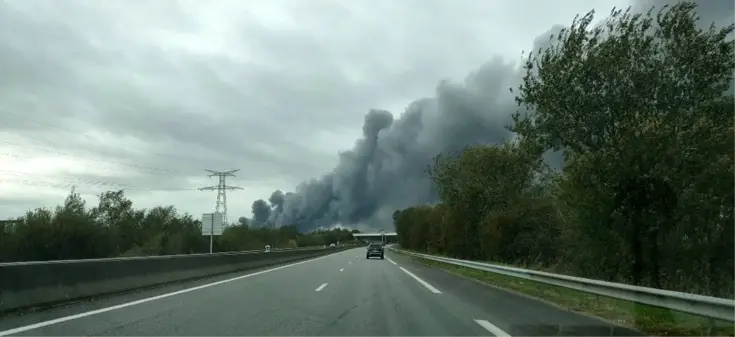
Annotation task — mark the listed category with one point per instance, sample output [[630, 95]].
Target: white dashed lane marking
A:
[[492, 328], [423, 283]]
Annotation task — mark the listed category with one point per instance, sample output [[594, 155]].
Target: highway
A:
[[341, 294]]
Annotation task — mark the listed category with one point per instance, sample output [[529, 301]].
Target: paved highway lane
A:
[[341, 294]]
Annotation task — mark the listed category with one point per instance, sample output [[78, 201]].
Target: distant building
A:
[[9, 225]]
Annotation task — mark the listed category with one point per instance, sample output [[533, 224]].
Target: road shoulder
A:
[[519, 314]]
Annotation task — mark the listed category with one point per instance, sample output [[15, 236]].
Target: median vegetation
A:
[[114, 228], [642, 107]]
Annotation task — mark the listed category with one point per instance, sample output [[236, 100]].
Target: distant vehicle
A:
[[332, 245], [375, 249], [267, 248]]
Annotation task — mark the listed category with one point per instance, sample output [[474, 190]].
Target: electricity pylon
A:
[[221, 190]]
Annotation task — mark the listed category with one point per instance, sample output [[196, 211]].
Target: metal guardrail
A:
[[707, 306]]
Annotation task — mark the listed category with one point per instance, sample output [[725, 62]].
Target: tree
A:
[[478, 182], [116, 212], [601, 87], [643, 106], [115, 228]]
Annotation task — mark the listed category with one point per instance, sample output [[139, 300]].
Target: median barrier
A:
[[37, 284]]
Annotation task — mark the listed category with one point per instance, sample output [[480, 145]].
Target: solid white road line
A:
[[423, 283], [391, 261], [321, 287], [492, 328], [149, 299]]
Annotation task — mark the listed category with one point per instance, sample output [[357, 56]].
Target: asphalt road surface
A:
[[342, 294]]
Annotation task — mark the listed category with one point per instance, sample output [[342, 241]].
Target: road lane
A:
[[271, 303], [515, 314], [341, 294], [376, 298]]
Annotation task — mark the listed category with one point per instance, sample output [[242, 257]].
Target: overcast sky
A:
[[147, 94]]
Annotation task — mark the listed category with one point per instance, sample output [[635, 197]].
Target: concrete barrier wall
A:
[[33, 284]]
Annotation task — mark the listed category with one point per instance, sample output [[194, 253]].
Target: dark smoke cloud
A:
[[261, 212], [276, 199], [385, 169]]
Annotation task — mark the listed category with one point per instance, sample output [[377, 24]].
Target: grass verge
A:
[[652, 321]]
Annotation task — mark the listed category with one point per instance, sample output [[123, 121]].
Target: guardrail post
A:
[[538, 287], [711, 326]]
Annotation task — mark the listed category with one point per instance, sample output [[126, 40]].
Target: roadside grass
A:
[[652, 321]]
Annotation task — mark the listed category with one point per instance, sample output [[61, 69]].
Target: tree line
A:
[[114, 228], [642, 108]]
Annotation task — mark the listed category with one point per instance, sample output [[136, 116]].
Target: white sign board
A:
[[213, 223]]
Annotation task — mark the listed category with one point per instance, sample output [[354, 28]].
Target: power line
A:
[[77, 133], [54, 175], [37, 121], [221, 190], [84, 182], [153, 170], [94, 184], [97, 168]]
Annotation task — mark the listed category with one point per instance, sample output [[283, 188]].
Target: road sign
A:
[[212, 224]]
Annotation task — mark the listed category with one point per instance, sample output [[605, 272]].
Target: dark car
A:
[[375, 249]]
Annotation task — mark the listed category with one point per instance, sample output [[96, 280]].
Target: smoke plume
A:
[[261, 212], [384, 171]]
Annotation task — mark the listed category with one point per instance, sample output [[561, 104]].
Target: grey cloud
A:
[[249, 102], [80, 72], [216, 87], [117, 76], [26, 202]]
